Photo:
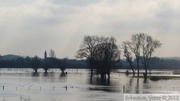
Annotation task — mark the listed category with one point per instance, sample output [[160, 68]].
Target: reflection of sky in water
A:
[[24, 85]]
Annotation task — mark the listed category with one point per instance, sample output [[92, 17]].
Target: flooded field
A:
[[76, 85]]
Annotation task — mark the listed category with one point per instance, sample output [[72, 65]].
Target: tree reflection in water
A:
[[137, 87], [62, 75], [45, 74], [35, 74], [105, 84]]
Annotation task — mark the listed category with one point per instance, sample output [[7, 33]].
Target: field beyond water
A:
[[76, 85]]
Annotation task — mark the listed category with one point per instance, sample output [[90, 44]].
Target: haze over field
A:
[[29, 27]]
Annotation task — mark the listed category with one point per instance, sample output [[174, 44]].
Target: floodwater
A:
[[76, 85]]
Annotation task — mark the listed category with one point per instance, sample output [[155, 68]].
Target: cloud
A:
[[75, 2], [13, 3], [30, 27]]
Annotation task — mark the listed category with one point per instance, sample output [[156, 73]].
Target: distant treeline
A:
[[13, 61]]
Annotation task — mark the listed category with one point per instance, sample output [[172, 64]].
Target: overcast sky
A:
[[29, 27]]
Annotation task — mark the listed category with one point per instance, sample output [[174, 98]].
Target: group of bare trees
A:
[[49, 62], [141, 47], [102, 53]]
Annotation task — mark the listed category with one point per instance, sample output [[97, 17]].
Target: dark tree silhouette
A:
[[36, 62], [100, 52], [142, 44], [46, 64], [87, 50], [63, 64], [148, 46], [128, 56], [60, 63], [134, 46]]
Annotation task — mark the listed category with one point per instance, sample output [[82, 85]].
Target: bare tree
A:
[[63, 64], [87, 50], [52, 54], [100, 53], [128, 56], [148, 46], [36, 62], [141, 44], [105, 54], [60, 63], [134, 46]]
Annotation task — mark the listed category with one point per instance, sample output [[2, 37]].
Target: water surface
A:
[[76, 85]]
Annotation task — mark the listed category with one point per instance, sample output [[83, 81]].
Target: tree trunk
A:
[[102, 76], [146, 70], [108, 75], [138, 66], [145, 75], [131, 67], [35, 69], [62, 71], [45, 69], [91, 72]]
